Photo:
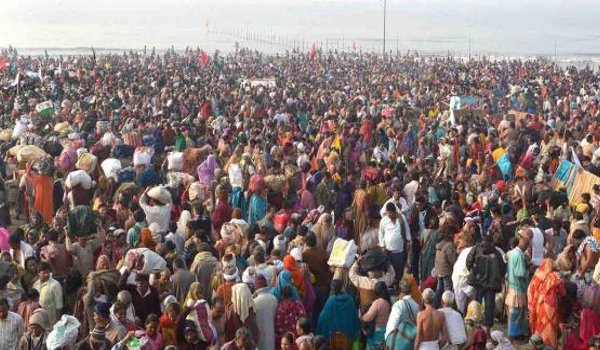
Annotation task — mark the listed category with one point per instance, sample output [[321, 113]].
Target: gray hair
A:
[[428, 296], [404, 287], [448, 299]]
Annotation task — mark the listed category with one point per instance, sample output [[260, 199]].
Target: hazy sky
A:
[[501, 26]]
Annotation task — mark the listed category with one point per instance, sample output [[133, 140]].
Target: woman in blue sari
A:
[[285, 280], [339, 316], [257, 209]]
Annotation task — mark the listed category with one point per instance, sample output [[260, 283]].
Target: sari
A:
[[544, 291], [324, 233], [206, 170], [339, 315], [289, 264], [238, 200], [428, 255], [44, 201], [360, 211], [257, 209], [285, 280]]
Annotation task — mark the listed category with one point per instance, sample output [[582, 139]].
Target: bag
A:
[[404, 335], [6, 135], [175, 160], [125, 175], [87, 162], [153, 263], [81, 221], [110, 167], [30, 153], [30, 138], [160, 194], [52, 146], [123, 151], [343, 253], [64, 333], [132, 139], [142, 156], [67, 159], [78, 177]]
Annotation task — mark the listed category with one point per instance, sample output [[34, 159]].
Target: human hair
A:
[[119, 306], [448, 298], [14, 239], [289, 336], [286, 292], [217, 299], [336, 287], [428, 296], [310, 239], [381, 291], [139, 215], [305, 325], [179, 263], [404, 287], [44, 266], [151, 318], [579, 234]]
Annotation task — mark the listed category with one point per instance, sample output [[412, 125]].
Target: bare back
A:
[[430, 323]]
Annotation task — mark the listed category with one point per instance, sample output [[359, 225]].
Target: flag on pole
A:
[[203, 59], [3, 63], [313, 51], [354, 46], [45, 109]]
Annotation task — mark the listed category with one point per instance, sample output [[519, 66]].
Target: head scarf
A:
[[322, 232], [289, 263], [193, 293], [284, 280], [241, 300], [206, 170], [184, 217], [102, 260], [474, 312], [503, 342], [147, 241]]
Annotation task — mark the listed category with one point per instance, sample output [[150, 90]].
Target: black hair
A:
[[381, 291], [311, 240], [139, 215], [305, 324], [336, 287]]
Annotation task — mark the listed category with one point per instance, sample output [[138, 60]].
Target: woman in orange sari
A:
[[360, 210], [543, 294]]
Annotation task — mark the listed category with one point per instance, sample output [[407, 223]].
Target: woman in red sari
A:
[[543, 294]]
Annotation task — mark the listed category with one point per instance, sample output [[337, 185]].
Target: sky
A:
[[491, 26]]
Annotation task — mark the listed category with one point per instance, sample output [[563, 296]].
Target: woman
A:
[[288, 313], [500, 341], [360, 209], [257, 208], [543, 294], [324, 230], [168, 323], [146, 239], [287, 341], [378, 313], [194, 293], [285, 280], [339, 319], [476, 334], [29, 274], [298, 273], [153, 337], [303, 331], [241, 313], [430, 238], [206, 170]]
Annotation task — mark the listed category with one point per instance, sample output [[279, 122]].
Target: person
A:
[[156, 211], [266, 309], [241, 313], [289, 311], [51, 294], [476, 334], [56, 255], [500, 342], [431, 325], [487, 269], [324, 232], [394, 235], [339, 316], [403, 310], [96, 340], [543, 293], [29, 305], [455, 324], [287, 341], [304, 333], [181, 280], [445, 258], [366, 284], [378, 314], [19, 250], [243, 341], [144, 297], [35, 337], [516, 297]]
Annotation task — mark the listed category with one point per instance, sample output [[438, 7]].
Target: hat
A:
[[102, 309], [279, 243], [230, 274], [98, 335], [39, 317]]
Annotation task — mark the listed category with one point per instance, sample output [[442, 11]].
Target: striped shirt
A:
[[11, 330]]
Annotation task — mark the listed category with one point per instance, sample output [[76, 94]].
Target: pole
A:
[[384, 15], [469, 48]]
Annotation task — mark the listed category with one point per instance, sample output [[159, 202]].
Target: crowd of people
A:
[[298, 201]]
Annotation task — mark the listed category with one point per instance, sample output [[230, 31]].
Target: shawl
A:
[[44, 201], [474, 312], [257, 209], [285, 280], [241, 300], [206, 170], [503, 342], [323, 234], [542, 290], [339, 315], [194, 293]]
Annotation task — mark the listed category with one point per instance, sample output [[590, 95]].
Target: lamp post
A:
[[384, 15]]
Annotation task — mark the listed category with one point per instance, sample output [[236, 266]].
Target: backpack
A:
[[404, 335], [52, 146]]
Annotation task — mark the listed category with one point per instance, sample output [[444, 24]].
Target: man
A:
[[445, 257], [316, 260], [455, 324], [431, 325], [156, 211], [265, 306], [394, 234], [114, 330], [19, 250], [217, 314], [404, 310], [56, 255], [134, 235], [516, 297], [556, 236], [262, 268], [144, 298], [84, 250], [51, 295], [11, 327], [181, 280], [324, 193], [96, 340], [398, 200], [411, 188]]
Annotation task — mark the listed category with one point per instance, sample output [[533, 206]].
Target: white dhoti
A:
[[429, 345]]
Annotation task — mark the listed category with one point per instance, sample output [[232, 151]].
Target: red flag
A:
[[313, 51], [203, 59], [3, 63], [353, 46]]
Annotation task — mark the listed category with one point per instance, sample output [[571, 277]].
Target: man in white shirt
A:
[[157, 212], [19, 250], [411, 188], [454, 322], [397, 199], [11, 327], [394, 234]]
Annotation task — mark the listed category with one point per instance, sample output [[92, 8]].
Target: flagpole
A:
[[384, 15]]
